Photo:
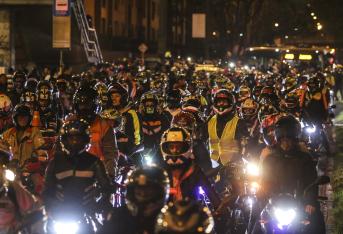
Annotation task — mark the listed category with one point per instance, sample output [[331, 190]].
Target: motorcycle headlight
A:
[[66, 227], [310, 130], [284, 217], [254, 186], [253, 169], [9, 175], [149, 161]]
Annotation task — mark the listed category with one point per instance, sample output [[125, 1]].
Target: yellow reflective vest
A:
[[224, 148]]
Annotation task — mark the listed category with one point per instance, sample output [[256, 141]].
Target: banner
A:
[[198, 25]]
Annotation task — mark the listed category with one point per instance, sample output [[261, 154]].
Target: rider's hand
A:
[[310, 209]]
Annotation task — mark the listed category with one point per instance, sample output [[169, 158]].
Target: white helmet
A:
[[5, 105], [176, 146]]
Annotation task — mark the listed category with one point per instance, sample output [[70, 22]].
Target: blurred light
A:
[[317, 51], [296, 29], [287, 51], [314, 17], [179, 57], [305, 57], [284, 217], [289, 56], [277, 50], [319, 27], [231, 65], [286, 37], [332, 51], [201, 191], [214, 33], [312, 13], [241, 34], [246, 67], [276, 25], [228, 31], [9, 175], [189, 59], [251, 49]]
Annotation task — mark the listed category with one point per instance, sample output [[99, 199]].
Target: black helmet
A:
[[31, 84], [85, 103], [21, 110], [291, 103], [147, 190], [118, 89], [19, 75], [174, 99], [184, 216], [74, 136], [287, 127], [256, 92], [149, 103], [223, 94]]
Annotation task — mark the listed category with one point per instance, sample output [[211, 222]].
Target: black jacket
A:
[[289, 172], [69, 183]]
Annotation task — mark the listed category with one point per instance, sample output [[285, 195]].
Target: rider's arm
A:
[[49, 190], [110, 151]]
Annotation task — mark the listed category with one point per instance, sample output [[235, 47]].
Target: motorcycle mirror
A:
[[322, 180]]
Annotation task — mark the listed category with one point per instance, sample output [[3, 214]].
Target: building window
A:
[[153, 10]]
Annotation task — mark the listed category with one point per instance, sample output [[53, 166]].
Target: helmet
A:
[[61, 83], [289, 84], [184, 216], [28, 96], [44, 92], [227, 105], [75, 136], [268, 127], [313, 84], [269, 80], [147, 190], [287, 127], [184, 120], [149, 103], [220, 81], [31, 84], [101, 89], [249, 109], [243, 93], [191, 101], [174, 99], [5, 105], [176, 147], [85, 103], [113, 115], [229, 86], [267, 92], [19, 75], [291, 103], [117, 88], [266, 110], [21, 110], [257, 91]]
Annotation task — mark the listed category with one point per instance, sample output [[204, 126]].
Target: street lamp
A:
[[319, 26], [312, 14], [286, 37], [241, 34], [276, 25], [314, 17]]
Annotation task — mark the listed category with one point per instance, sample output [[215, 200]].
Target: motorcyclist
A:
[[225, 129], [15, 201], [147, 192], [71, 175], [173, 101], [184, 216], [132, 127], [102, 143], [23, 139], [187, 121], [288, 169], [19, 79], [154, 123], [47, 112], [185, 176]]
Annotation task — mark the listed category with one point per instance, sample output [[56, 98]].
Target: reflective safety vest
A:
[[226, 147]]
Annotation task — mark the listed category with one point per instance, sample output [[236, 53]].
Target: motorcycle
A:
[[285, 213]]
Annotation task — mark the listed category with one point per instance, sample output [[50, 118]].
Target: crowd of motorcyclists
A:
[[123, 149]]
